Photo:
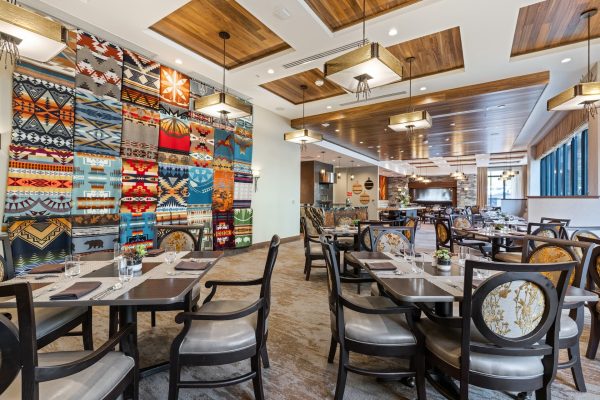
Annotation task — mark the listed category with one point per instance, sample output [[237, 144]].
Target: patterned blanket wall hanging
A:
[[141, 80], [223, 230], [96, 184], [140, 186], [139, 139], [95, 233], [242, 231], [137, 229]]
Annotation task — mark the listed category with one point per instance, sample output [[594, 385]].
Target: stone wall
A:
[[467, 189]]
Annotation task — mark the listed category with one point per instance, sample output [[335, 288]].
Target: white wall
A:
[[581, 211], [276, 201], [361, 174], [6, 117]]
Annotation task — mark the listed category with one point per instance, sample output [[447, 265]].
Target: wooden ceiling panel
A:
[[340, 14], [289, 87], [197, 24], [553, 23], [483, 118], [434, 54]]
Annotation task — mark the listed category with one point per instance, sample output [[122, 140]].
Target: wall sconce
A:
[[255, 175], [352, 177]]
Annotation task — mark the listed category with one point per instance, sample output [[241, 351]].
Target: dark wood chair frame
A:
[[533, 229], [83, 320], [543, 341], [549, 220], [20, 351], [309, 257], [594, 286], [262, 307], [580, 275], [483, 246], [337, 303]]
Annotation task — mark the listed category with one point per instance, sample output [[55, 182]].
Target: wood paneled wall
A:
[[572, 121]]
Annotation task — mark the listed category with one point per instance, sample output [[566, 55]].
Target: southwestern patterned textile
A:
[[137, 229], [99, 66], [223, 230], [96, 184], [173, 158], [242, 190], [223, 191], [174, 88], [174, 129], [94, 233], [40, 155], [38, 241], [202, 144], [172, 188], [201, 186], [223, 156], [38, 189], [242, 150], [140, 186], [140, 132], [141, 80], [98, 124], [201, 215], [43, 114], [242, 231]]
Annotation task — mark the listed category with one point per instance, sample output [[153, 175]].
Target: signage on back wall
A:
[[102, 110]]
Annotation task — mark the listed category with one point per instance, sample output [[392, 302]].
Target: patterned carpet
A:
[[298, 341]]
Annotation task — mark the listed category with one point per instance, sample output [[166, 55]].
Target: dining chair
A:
[[26, 374], [443, 237], [550, 220], [411, 222], [179, 238], [52, 323], [514, 251], [368, 325], [225, 332], [464, 221], [551, 250], [593, 307], [312, 250], [581, 233], [507, 337]]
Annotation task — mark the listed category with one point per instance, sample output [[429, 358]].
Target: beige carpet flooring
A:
[[298, 342]]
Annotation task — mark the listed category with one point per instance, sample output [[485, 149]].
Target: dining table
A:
[[495, 236], [343, 231], [159, 283], [422, 283]]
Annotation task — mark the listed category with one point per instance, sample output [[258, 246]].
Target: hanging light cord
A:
[[303, 91], [224, 41], [410, 108], [364, 29], [589, 72]]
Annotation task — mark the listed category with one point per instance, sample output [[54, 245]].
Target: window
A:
[[499, 189], [564, 171]]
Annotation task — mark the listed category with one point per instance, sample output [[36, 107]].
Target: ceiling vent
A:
[[324, 54], [282, 13]]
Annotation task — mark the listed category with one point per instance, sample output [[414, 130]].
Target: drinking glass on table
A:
[[170, 255], [418, 263], [463, 254], [125, 266], [72, 266]]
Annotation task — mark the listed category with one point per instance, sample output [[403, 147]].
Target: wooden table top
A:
[[158, 282], [433, 285]]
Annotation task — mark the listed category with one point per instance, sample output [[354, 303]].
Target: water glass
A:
[[409, 252], [419, 264], [125, 266], [72, 266], [463, 255], [117, 251], [170, 256]]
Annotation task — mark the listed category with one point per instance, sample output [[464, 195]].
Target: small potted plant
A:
[[443, 258], [134, 256]]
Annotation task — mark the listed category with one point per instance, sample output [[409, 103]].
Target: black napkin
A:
[[76, 291], [192, 266], [154, 252], [382, 266], [47, 268]]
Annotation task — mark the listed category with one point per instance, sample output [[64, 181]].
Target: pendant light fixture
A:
[[586, 94], [24, 33], [223, 105], [410, 120], [339, 173], [369, 66], [303, 136]]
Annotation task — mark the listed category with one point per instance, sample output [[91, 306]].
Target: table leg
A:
[[128, 315], [437, 378]]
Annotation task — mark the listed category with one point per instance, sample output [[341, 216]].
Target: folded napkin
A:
[[383, 266], [47, 268], [154, 252], [192, 266], [76, 291], [370, 255]]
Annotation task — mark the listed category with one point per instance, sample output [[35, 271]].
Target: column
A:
[[6, 115]]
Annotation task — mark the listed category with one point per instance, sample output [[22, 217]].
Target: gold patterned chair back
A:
[[442, 234], [552, 254], [460, 221], [391, 240], [411, 223], [577, 235], [177, 241]]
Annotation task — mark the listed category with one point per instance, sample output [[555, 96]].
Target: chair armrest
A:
[[225, 316], [572, 305], [50, 373], [314, 239], [214, 283], [365, 310]]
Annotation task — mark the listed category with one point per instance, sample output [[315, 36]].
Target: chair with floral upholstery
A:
[[513, 252], [507, 335], [179, 238], [594, 307], [443, 237], [550, 251], [464, 221], [391, 240], [411, 222]]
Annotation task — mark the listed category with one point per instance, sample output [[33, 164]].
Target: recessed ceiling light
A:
[[370, 147], [430, 146], [337, 130], [453, 124], [319, 82], [401, 151], [270, 71], [392, 157], [423, 88], [378, 146], [393, 32], [565, 60], [178, 61], [421, 135], [379, 151], [328, 107], [447, 139], [425, 141], [361, 142], [326, 124]]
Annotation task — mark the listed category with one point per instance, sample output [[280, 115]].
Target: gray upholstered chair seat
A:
[[315, 249], [217, 337], [378, 329], [509, 256], [445, 343], [568, 327], [48, 319], [92, 383]]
